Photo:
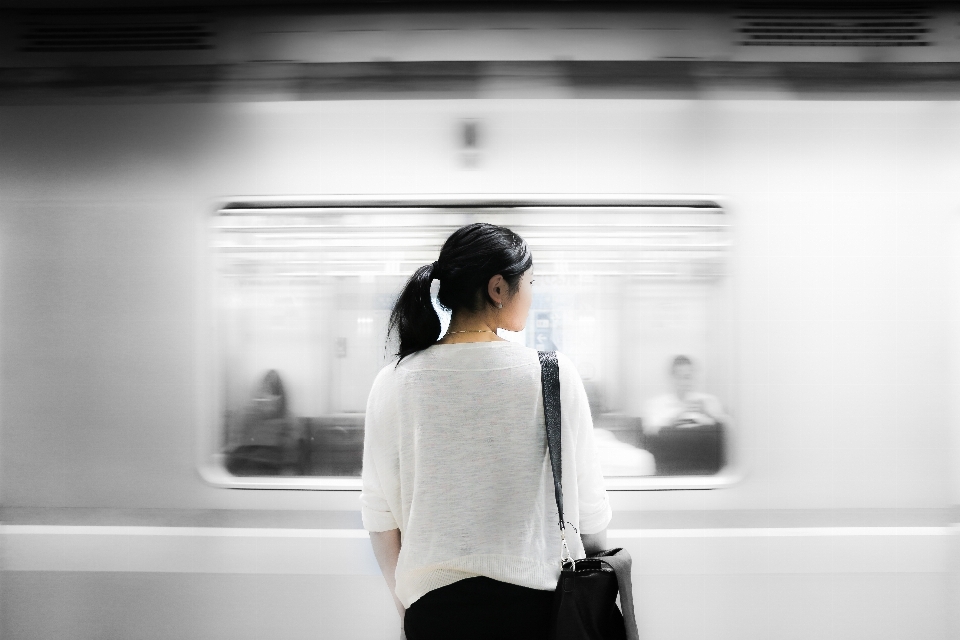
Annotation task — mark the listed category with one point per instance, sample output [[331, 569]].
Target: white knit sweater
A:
[[455, 456]]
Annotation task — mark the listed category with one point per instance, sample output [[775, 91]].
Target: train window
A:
[[636, 293]]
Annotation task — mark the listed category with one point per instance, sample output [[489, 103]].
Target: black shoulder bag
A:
[[585, 602]]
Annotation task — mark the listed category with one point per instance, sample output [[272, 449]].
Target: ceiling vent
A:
[[114, 32], [835, 29]]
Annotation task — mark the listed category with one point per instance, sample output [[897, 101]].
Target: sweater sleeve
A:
[[595, 511], [374, 508]]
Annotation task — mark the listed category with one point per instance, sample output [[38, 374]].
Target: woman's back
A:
[[457, 485], [455, 456]]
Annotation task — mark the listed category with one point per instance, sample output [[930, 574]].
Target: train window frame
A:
[[210, 460]]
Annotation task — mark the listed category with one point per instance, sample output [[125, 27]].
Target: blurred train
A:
[[206, 214], [303, 291]]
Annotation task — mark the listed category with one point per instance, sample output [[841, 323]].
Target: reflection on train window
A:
[[637, 295]]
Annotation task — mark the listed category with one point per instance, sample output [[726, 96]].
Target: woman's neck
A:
[[470, 328]]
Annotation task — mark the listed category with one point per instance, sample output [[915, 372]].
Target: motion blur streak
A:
[[13, 529], [360, 533], [343, 552]]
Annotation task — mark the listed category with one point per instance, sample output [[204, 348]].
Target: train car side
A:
[[846, 241]]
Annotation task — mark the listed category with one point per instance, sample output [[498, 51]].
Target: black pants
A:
[[480, 607]]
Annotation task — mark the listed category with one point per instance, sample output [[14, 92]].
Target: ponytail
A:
[[413, 317], [468, 259]]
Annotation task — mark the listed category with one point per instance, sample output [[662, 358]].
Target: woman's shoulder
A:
[[568, 370], [382, 396], [468, 356], [571, 384], [386, 375], [495, 354]]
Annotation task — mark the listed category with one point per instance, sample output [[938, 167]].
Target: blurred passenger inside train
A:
[[267, 443], [455, 453], [683, 407]]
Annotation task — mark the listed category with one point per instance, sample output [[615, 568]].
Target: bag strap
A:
[[550, 381], [622, 565], [618, 559]]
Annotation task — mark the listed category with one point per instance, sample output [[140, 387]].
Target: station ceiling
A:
[[466, 5]]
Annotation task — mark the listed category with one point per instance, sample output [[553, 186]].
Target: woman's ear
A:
[[496, 289]]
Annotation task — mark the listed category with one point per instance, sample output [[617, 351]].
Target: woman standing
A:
[[457, 487]]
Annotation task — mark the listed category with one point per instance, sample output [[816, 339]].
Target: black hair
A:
[[680, 361], [468, 259], [273, 385]]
